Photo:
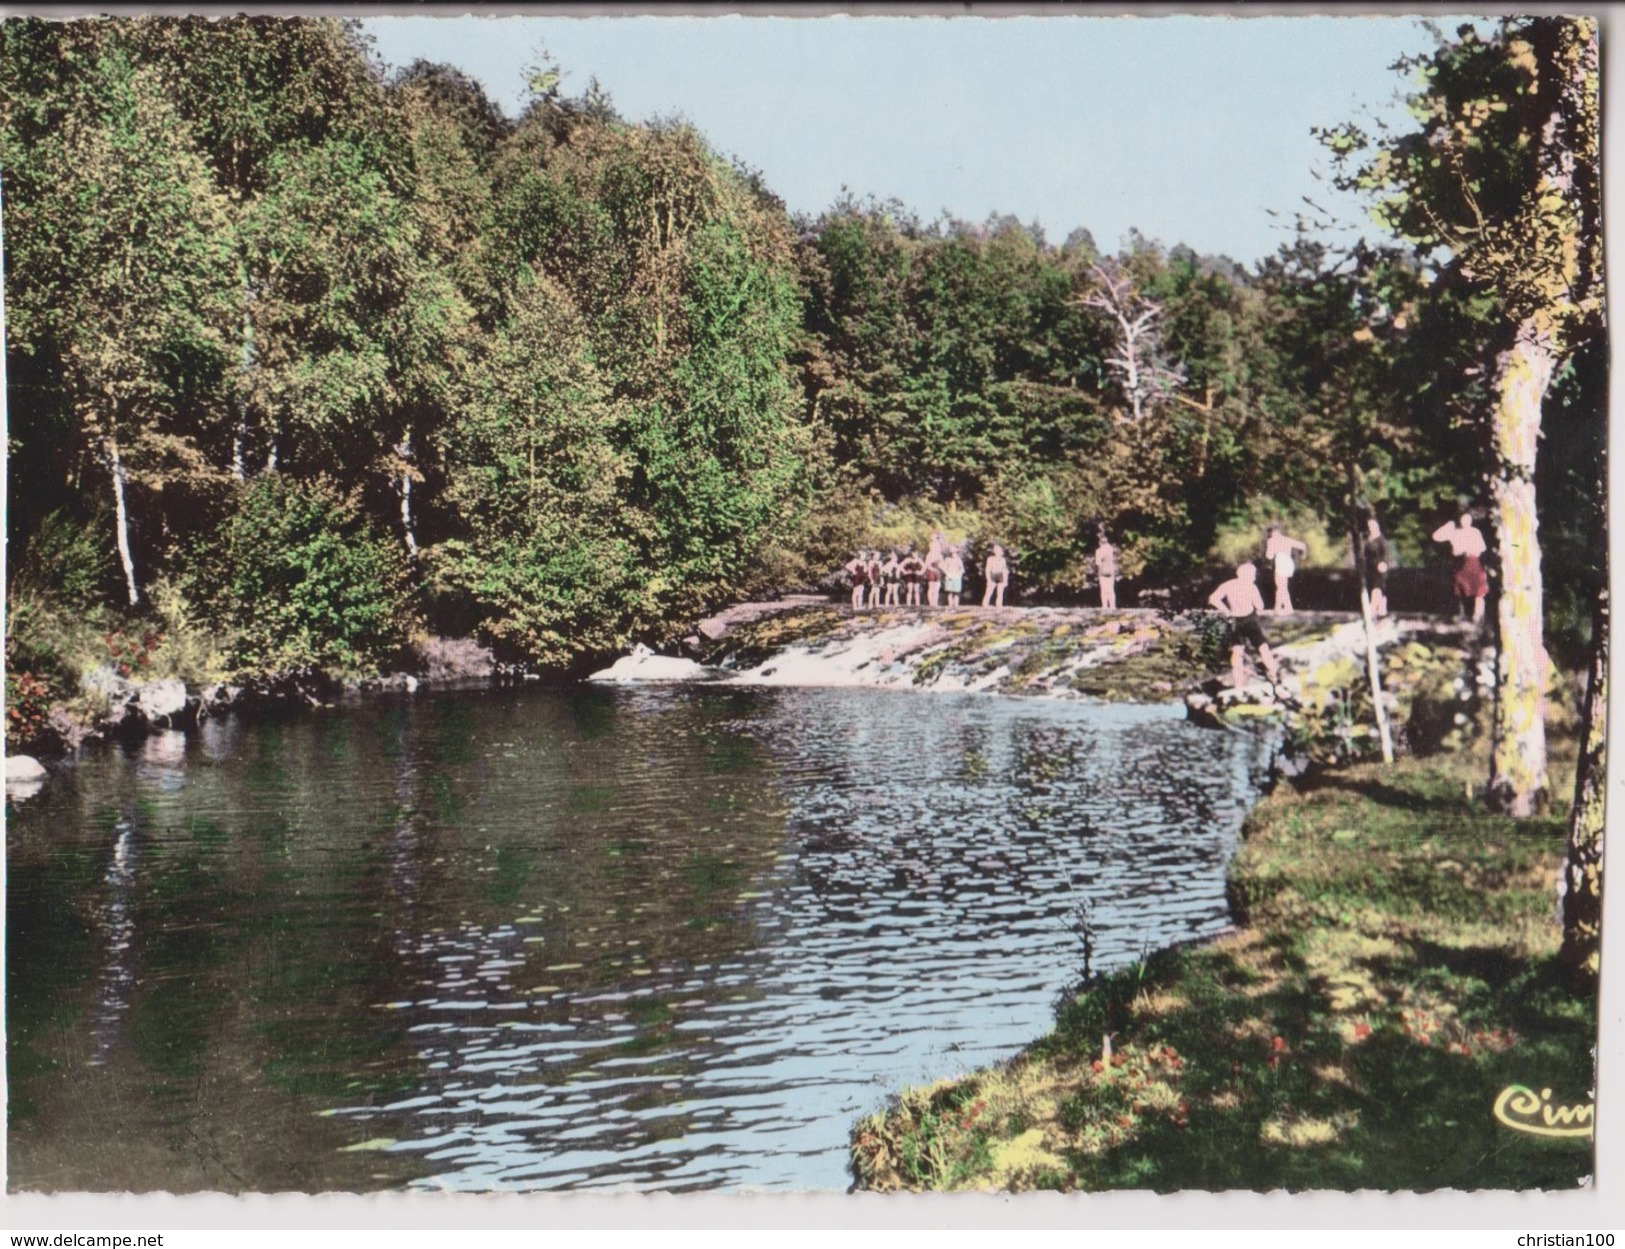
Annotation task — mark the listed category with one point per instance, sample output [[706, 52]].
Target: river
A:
[[661, 938]]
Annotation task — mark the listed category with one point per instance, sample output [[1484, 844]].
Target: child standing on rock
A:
[[1278, 549], [953, 576], [857, 573], [891, 575]]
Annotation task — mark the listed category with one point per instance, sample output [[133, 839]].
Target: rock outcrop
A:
[[644, 665]]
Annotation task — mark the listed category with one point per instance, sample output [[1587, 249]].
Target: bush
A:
[[28, 706], [1242, 536], [68, 561], [186, 645], [303, 580]]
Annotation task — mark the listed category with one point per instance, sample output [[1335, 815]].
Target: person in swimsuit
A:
[[1278, 549], [1106, 571], [873, 575], [1469, 580], [1376, 567], [933, 570], [953, 576], [996, 574], [891, 576], [912, 568], [1238, 600], [857, 574]]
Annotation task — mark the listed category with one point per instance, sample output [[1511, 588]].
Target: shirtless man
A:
[[1470, 582], [995, 575], [1238, 600], [1278, 549]]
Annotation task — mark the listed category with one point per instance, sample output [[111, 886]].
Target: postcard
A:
[[803, 604]]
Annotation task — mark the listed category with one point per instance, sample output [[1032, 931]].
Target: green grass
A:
[[1397, 971]]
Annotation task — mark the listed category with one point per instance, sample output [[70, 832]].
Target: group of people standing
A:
[[899, 579], [1469, 579], [1240, 602]]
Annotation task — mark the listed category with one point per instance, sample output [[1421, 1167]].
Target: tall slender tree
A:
[[122, 271], [1504, 174]]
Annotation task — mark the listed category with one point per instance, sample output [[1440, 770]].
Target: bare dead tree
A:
[[1146, 378]]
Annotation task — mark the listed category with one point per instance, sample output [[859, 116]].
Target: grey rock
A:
[[24, 769], [105, 681], [161, 702], [217, 698], [70, 732], [456, 659], [1291, 765]]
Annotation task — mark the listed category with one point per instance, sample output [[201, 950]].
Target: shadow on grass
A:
[[1387, 795], [1280, 1097]]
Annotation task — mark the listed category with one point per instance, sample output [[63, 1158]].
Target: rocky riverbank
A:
[[116, 704], [1436, 675], [1133, 655]]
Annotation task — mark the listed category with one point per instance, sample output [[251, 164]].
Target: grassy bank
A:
[[1395, 972]]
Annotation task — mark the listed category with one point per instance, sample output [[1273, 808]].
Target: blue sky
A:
[[1187, 128]]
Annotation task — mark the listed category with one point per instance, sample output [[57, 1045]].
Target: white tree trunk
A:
[[245, 361], [1518, 755], [122, 519], [1373, 668], [405, 450]]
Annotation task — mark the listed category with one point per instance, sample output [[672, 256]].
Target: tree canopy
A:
[[588, 377]]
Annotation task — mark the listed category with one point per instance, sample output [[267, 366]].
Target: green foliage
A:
[[68, 560], [306, 580], [545, 562], [1241, 537], [602, 381], [188, 646]]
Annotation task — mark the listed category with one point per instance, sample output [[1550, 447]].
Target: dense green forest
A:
[[307, 361]]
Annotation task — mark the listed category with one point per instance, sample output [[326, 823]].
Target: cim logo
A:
[[1524, 1110]]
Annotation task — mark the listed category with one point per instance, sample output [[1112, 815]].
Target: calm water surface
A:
[[672, 938]]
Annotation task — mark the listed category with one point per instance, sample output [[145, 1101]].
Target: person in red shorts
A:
[[1469, 580]]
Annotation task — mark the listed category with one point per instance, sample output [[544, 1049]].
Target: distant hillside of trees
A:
[[305, 360]]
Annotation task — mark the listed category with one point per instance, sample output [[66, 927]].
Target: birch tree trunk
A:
[[1580, 887], [1373, 665], [1518, 752], [245, 359], [405, 450], [121, 517]]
